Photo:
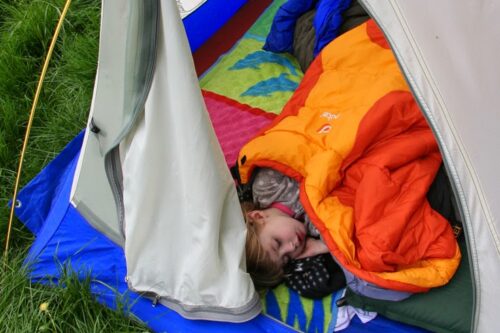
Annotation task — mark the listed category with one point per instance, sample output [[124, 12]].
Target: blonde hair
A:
[[263, 271]]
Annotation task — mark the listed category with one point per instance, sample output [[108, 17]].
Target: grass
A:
[[63, 306], [26, 28]]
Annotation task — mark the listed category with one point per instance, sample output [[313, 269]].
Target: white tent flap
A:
[[124, 74], [152, 176], [184, 229]]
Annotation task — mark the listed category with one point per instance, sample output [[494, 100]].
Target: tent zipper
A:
[[115, 178]]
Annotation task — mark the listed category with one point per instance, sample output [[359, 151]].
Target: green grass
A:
[[26, 28], [63, 306]]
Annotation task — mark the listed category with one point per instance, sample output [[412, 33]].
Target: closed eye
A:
[[276, 247], [278, 242]]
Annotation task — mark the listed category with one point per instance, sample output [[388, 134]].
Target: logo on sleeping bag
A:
[[327, 127], [324, 129], [329, 116]]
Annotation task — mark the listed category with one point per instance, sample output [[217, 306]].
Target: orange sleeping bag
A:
[[354, 138]]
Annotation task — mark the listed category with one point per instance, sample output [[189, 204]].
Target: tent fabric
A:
[[224, 39], [450, 64], [187, 7], [126, 26], [178, 202]]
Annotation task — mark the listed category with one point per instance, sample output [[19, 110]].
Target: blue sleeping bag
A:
[[327, 21]]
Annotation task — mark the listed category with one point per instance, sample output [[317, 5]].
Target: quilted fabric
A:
[[355, 139]]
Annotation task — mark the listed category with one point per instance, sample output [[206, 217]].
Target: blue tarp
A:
[[64, 239]]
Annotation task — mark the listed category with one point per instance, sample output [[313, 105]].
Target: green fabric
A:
[[445, 309], [262, 26], [306, 315]]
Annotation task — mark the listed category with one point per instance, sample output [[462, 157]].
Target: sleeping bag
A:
[[354, 138], [326, 23]]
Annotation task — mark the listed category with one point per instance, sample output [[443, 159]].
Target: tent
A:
[[150, 155], [455, 88]]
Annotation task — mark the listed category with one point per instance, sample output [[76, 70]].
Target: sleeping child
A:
[[280, 234], [353, 144]]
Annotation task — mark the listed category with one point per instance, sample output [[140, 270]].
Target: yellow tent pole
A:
[[30, 121]]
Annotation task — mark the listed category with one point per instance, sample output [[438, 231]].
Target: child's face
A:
[[280, 235]]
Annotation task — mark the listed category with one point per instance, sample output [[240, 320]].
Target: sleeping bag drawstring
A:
[[30, 122]]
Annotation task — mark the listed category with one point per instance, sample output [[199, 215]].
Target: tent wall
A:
[[122, 82], [123, 79], [448, 52]]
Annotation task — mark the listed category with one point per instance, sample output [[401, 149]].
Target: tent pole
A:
[[30, 122]]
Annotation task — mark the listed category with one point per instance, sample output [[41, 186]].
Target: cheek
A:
[[290, 234], [294, 225], [300, 226]]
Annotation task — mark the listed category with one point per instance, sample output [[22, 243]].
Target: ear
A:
[[256, 216]]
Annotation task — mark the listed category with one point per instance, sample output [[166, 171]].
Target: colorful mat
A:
[[252, 76], [223, 40], [234, 123]]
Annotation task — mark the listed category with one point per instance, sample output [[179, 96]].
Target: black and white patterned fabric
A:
[[314, 277]]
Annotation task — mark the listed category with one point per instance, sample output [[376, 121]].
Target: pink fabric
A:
[[285, 209], [234, 123]]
